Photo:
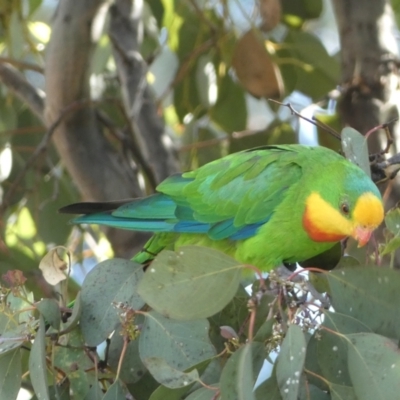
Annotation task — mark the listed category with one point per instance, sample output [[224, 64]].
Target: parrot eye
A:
[[345, 208]]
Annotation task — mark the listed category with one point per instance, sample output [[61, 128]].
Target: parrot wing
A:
[[227, 198]]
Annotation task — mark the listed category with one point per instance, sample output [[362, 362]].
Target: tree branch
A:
[[17, 83], [146, 125]]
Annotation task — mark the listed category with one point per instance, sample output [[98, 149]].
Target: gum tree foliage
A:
[[102, 100]]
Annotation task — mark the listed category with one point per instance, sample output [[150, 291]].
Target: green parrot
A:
[[264, 206]]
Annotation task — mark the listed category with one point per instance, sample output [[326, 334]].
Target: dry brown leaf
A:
[[53, 266], [254, 67]]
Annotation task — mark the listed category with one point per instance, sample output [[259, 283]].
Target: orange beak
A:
[[362, 234]]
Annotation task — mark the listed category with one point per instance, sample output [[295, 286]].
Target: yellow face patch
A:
[[324, 223], [368, 211]]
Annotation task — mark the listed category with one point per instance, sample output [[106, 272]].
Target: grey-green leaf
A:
[[10, 374], [290, 362], [370, 295], [374, 366], [99, 316], [115, 392], [332, 347], [355, 148], [240, 372], [37, 363], [168, 376], [181, 344], [50, 311], [195, 274]]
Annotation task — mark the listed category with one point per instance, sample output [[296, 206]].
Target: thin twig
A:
[[22, 64], [122, 356], [315, 122]]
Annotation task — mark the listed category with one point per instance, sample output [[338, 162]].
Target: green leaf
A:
[[144, 388], [390, 246], [37, 363], [268, 388], [265, 331], [290, 362], [339, 392], [317, 72], [195, 274], [10, 374], [74, 361], [115, 392], [230, 110], [314, 393], [50, 311], [241, 371], [168, 376], [392, 221], [94, 393], [180, 344], [312, 363], [11, 334], [166, 393], [186, 96], [332, 348], [355, 148], [202, 394], [99, 316], [60, 391], [370, 295], [374, 366]]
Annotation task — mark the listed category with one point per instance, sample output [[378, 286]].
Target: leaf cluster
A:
[[186, 329]]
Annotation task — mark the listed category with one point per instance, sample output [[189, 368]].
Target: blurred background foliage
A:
[[210, 67]]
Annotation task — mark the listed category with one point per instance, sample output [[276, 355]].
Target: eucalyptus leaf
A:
[[339, 392], [240, 372], [374, 366], [50, 311], [180, 344], [268, 388], [355, 149], [390, 246], [168, 376], [206, 278], [115, 392], [10, 374], [203, 394], [370, 295], [110, 282], [37, 363], [290, 362], [392, 221], [332, 346]]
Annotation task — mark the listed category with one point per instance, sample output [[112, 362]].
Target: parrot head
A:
[[353, 209]]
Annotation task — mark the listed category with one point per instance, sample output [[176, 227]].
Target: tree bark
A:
[[99, 172], [370, 79], [370, 58]]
